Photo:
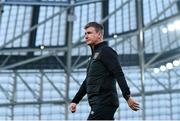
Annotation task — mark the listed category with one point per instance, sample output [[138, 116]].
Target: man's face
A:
[[91, 36]]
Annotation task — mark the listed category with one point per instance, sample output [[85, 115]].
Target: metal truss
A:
[[36, 99], [49, 3], [76, 44]]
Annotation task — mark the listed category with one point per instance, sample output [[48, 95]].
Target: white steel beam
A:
[[28, 87], [53, 85]]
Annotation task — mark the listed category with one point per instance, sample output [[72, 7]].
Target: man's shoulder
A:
[[107, 50]]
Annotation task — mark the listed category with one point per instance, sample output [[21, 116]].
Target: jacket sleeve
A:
[[110, 59], [80, 94]]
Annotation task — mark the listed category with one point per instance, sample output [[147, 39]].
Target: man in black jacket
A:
[[102, 73]]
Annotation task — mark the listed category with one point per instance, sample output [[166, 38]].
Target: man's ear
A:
[[99, 35]]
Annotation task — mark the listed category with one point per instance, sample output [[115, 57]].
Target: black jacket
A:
[[102, 71]]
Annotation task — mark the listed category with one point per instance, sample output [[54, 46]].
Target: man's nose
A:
[[86, 37]]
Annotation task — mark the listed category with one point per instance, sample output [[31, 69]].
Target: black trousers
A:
[[102, 113]]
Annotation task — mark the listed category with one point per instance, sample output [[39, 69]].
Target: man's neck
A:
[[93, 45], [100, 41]]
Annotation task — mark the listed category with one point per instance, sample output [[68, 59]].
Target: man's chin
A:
[[88, 43]]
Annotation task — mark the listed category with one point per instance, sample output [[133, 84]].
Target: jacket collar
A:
[[100, 45]]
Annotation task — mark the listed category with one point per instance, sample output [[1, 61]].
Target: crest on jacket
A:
[[96, 55]]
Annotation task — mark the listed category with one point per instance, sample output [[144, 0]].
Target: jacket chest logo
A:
[[96, 55]]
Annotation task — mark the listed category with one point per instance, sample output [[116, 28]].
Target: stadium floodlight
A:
[[177, 24], [115, 36], [156, 70], [169, 65], [163, 68], [176, 63], [164, 30], [171, 27], [42, 47]]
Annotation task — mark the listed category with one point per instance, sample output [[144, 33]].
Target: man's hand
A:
[[73, 107], [133, 104]]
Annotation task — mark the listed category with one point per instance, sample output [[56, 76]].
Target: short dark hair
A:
[[98, 27]]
